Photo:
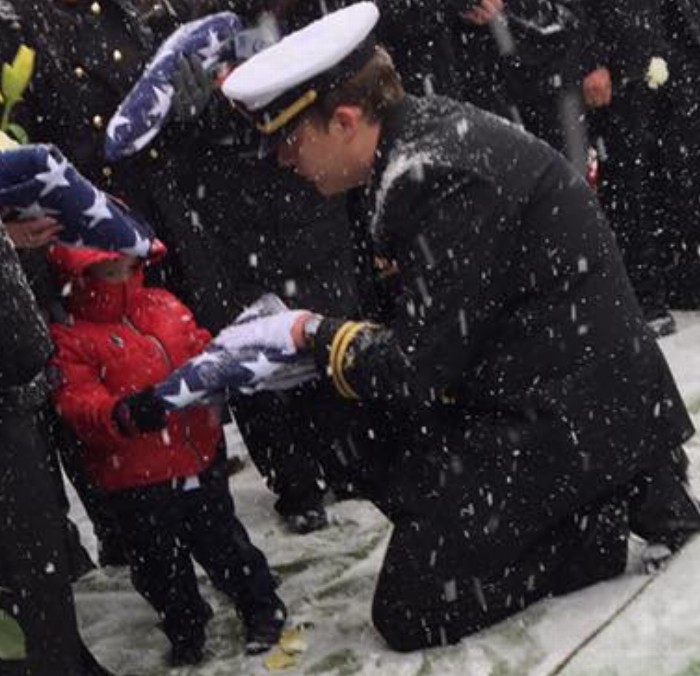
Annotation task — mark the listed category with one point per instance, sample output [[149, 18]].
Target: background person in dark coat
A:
[[89, 54], [515, 58], [87, 57], [272, 232], [33, 559], [31, 238], [519, 62], [651, 140], [678, 149], [518, 406], [276, 234]]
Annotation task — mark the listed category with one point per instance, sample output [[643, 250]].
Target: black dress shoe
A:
[[662, 509], [662, 325], [306, 522], [263, 626]]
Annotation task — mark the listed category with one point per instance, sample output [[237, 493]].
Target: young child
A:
[[168, 492]]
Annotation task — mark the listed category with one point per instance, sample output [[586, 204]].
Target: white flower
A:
[[657, 73]]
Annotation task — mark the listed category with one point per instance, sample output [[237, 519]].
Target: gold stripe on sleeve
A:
[[337, 365], [335, 346]]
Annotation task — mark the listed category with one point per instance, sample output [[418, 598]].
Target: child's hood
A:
[[69, 262], [86, 297]]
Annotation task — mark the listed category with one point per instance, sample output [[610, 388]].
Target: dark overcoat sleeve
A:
[[24, 339]]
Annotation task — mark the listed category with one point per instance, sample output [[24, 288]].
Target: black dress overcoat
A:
[[515, 375]]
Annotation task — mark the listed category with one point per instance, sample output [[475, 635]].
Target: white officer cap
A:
[[280, 82]]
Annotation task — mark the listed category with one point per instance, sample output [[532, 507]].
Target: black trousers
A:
[[281, 436], [662, 509], [648, 186], [33, 558], [441, 579], [164, 527], [426, 595], [630, 181], [677, 165]]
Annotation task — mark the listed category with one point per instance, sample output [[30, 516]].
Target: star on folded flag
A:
[[145, 110], [37, 180], [261, 368], [161, 106], [55, 176], [99, 211], [184, 397]]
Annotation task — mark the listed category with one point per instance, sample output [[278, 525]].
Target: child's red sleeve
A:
[[202, 338], [78, 393]]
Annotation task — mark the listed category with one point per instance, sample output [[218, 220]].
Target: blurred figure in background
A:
[[641, 64], [272, 233]]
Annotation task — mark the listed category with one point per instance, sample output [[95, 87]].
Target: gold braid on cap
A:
[[339, 358], [291, 111]]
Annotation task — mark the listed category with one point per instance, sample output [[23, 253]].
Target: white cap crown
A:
[[301, 56]]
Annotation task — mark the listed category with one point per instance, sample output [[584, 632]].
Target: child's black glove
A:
[[139, 413]]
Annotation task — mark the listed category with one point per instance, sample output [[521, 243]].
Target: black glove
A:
[[194, 87], [139, 413]]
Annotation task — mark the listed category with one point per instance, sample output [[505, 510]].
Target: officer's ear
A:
[[346, 122]]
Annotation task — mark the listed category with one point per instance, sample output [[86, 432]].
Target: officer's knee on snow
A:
[[396, 632], [405, 629]]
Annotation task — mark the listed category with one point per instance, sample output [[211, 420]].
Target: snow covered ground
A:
[[634, 625]]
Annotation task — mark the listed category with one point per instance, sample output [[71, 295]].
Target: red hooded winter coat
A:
[[122, 338]]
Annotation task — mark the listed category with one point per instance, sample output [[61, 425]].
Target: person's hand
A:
[[33, 233], [139, 413], [298, 331], [597, 88], [272, 333], [194, 87], [483, 13]]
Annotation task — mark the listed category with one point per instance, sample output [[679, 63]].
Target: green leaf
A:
[[18, 133], [13, 645]]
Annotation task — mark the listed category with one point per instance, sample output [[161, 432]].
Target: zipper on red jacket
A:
[[171, 368]]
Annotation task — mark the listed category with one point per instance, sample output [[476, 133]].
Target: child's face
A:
[[116, 271]]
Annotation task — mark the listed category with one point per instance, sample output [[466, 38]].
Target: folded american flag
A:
[[241, 367], [143, 112], [38, 180]]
